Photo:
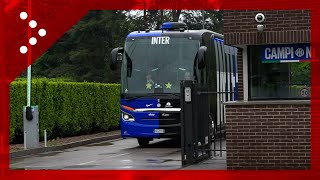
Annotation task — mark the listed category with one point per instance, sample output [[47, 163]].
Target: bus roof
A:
[[186, 33]]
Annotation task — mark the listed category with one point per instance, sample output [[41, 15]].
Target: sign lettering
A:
[[160, 40], [286, 53]]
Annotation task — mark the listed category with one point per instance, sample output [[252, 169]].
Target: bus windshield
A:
[[156, 65]]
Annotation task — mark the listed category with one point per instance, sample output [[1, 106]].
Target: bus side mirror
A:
[[201, 57], [116, 55]]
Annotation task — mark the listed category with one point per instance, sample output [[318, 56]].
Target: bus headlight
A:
[[127, 117]]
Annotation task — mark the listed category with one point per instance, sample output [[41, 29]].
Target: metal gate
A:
[[203, 112], [195, 124], [202, 132]]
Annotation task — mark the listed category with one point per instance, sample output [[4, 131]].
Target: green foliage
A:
[[46, 79], [193, 18], [300, 73], [17, 101], [66, 108], [213, 20]]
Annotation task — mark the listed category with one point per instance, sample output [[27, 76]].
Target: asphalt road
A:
[[117, 154]]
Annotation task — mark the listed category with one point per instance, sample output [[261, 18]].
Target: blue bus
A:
[[153, 65]]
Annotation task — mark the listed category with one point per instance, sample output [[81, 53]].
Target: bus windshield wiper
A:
[[169, 94], [152, 95], [136, 97]]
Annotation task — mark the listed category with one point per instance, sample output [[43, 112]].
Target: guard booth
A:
[[203, 130]]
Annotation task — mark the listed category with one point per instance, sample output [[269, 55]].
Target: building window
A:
[[278, 78]]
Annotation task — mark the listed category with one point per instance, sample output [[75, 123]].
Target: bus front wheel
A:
[[143, 141]]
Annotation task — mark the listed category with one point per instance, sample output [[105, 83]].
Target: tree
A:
[[176, 15], [194, 20]]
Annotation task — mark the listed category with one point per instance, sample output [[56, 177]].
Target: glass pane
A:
[[277, 80], [160, 66]]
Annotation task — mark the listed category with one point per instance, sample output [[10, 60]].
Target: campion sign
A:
[[286, 53]]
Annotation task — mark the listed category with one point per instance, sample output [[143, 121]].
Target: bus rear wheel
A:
[[143, 141]]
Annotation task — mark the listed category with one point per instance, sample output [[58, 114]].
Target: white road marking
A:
[[38, 167], [81, 164], [89, 162]]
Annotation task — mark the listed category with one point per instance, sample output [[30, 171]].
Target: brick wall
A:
[[271, 136], [281, 26], [240, 74]]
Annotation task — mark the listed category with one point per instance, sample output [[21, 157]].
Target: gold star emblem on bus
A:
[[168, 85], [148, 85]]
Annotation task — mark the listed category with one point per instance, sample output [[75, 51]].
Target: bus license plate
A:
[[158, 131]]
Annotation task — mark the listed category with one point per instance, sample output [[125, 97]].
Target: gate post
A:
[[186, 122]]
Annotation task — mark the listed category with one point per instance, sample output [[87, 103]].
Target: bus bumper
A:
[[137, 130]]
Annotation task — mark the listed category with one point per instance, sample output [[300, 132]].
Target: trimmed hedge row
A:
[[66, 108]]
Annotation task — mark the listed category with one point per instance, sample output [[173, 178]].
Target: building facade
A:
[[269, 126]]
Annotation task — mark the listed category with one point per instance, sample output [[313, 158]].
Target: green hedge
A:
[[66, 108]]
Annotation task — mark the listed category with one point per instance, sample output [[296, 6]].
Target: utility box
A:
[[31, 127]]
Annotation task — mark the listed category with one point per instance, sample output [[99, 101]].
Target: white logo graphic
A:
[[168, 104], [148, 105], [160, 40], [299, 52], [33, 40], [158, 105], [165, 115]]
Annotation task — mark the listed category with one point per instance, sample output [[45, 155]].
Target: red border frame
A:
[[57, 16]]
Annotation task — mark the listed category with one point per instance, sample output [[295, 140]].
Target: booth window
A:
[[275, 80]]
